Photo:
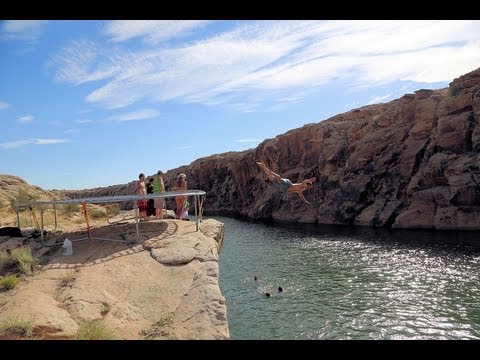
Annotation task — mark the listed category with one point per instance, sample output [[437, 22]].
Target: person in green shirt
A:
[[159, 187]]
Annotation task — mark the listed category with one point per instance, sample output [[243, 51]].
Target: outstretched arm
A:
[[269, 173], [300, 194]]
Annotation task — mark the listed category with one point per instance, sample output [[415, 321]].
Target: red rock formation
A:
[[410, 163]]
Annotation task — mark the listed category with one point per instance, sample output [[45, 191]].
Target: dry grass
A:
[[17, 327], [24, 259], [67, 278], [159, 329], [6, 260], [94, 330]]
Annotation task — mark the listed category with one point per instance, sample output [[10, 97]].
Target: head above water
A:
[[280, 289], [142, 175]]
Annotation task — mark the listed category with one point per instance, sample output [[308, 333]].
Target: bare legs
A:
[[269, 173]]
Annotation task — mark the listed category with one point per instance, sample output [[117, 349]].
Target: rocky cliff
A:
[[411, 163]]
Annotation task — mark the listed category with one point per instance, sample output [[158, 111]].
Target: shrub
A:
[[24, 259], [22, 197], [6, 260], [96, 214], [67, 279], [94, 330], [8, 282], [17, 326], [113, 209], [70, 209]]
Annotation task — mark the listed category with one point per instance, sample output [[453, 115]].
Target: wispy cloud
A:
[[152, 31], [20, 143], [56, 123], [48, 141], [378, 99], [266, 60], [26, 30], [4, 105], [184, 147], [135, 115], [248, 140], [84, 121], [71, 131], [84, 61], [25, 119]]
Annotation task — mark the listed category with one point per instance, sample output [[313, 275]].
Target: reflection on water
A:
[[349, 283]]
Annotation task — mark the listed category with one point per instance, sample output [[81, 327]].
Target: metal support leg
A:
[[41, 225], [18, 216], [136, 221], [55, 214], [196, 212]]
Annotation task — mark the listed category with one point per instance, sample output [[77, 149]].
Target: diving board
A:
[[197, 194]]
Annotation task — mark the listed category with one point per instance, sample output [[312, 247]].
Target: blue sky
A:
[[94, 103]]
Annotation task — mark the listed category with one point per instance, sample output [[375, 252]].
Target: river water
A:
[[349, 282]]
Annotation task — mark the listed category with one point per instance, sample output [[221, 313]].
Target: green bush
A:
[[94, 330], [8, 282]]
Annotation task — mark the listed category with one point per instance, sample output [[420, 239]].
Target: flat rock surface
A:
[[165, 286]]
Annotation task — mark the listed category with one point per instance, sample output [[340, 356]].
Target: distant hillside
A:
[[11, 187]]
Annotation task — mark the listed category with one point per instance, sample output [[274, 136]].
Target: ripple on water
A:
[[347, 284]]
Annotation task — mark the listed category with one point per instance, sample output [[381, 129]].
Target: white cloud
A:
[[184, 147], [135, 115], [26, 119], [84, 121], [248, 140], [71, 131], [267, 60], [27, 30], [48, 141], [153, 31], [20, 143], [4, 105]]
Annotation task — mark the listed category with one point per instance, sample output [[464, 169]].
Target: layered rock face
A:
[[411, 163]]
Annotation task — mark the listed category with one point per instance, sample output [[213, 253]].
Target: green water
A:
[[349, 283]]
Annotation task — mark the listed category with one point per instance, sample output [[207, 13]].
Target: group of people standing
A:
[[156, 207]]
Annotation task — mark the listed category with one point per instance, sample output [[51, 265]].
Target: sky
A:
[[91, 103]]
